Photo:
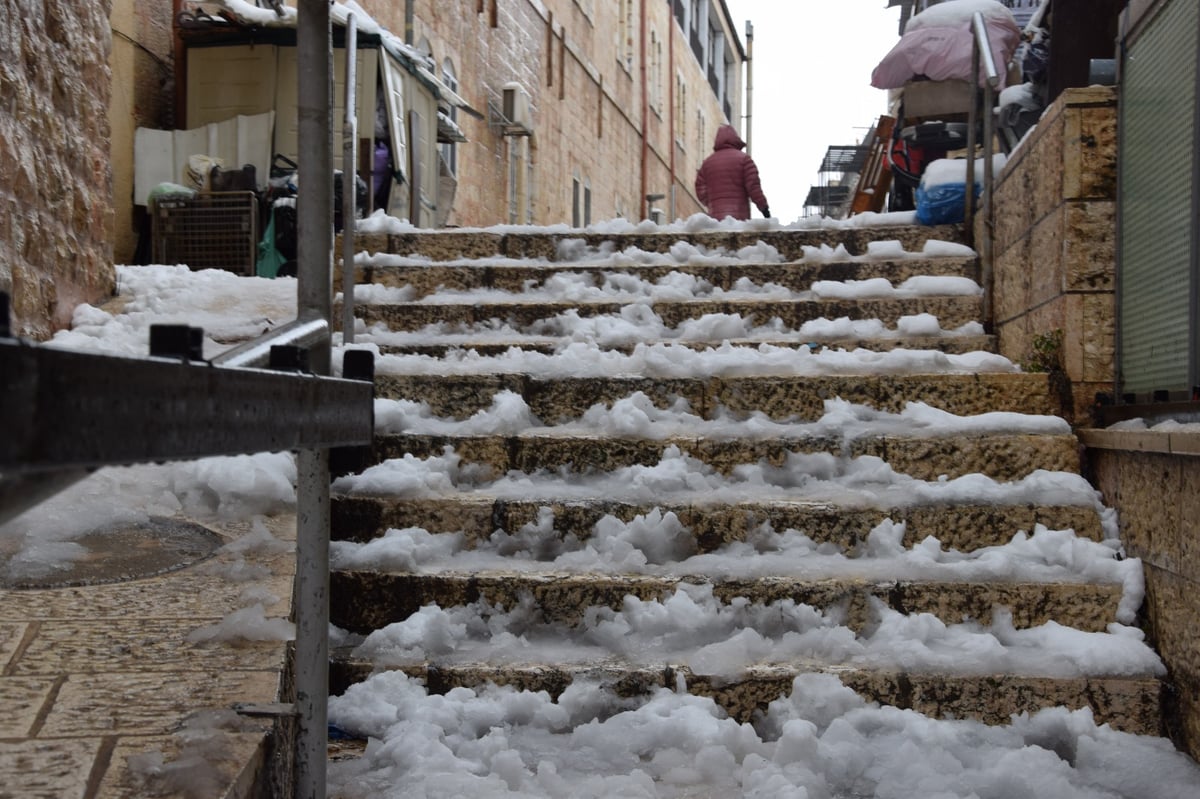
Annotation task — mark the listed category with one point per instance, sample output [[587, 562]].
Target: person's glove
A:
[[766, 213]]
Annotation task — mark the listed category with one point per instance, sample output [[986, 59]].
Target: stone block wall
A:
[[1153, 479], [1054, 246], [1054, 267], [56, 202]]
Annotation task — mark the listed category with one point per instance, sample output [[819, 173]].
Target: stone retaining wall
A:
[[55, 177], [1054, 247], [1054, 262], [1152, 479]]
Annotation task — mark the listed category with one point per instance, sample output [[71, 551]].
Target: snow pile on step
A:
[[639, 323], [574, 252], [694, 629], [637, 416], [863, 482], [584, 287], [658, 544], [579, 359], [229, 309], [380, 223], [821, 742]]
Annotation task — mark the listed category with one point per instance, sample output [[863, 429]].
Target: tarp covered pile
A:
[[937, 44]]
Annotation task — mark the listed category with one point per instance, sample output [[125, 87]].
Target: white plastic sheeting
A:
[[161, 156]]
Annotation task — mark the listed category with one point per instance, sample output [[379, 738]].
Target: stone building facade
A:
[[625, 98], [55, 180]]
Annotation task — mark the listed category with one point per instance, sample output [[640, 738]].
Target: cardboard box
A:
[[945, 100]]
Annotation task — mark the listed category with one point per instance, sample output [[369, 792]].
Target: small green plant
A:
[[1047, 352]]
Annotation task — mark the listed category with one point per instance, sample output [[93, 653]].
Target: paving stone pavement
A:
[[113, 688]]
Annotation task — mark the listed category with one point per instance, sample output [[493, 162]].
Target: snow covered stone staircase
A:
[[729, 466]]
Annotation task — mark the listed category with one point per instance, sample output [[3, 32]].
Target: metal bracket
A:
[[501, 125]]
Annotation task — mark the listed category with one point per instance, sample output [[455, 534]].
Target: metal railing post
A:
[[314, 292], [982, 53], [312, 621], [972, 122], [349, 181], [985, 246]]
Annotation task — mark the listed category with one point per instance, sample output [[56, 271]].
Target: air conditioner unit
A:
[[517, 116]]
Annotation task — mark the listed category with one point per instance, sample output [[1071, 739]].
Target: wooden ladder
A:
[[876, 175]]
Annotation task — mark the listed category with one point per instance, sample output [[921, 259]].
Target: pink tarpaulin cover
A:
[[939, 47]]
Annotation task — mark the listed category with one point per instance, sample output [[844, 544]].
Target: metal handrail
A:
[[981, 59], [349, 178], [301, 332]]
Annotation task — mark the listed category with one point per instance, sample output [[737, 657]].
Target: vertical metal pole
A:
[[417, 196], [644, 124], [985, 256], [972, 121], [314, 203], [749, 115], [982, 55], [349, 183], [314, 212], [312, 622]]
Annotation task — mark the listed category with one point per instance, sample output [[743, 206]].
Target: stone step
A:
[[1002, 457], [427, 278], [1130, 704], [554, 400], [511, 525], [477, 515], [362, 601], [450, 245], [951, 312], [437, 345]]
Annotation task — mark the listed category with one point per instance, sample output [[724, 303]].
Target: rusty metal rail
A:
[[64, 410]]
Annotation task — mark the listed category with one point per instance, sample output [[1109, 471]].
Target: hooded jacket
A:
[[728, 179]]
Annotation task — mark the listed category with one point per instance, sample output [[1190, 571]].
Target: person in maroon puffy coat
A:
[[728, 179]]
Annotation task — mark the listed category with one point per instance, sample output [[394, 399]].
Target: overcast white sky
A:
[[812, 85]]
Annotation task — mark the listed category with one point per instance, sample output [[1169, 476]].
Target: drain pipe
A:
[[645, 169], [671, 107], [314, 220], [749, 115]]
